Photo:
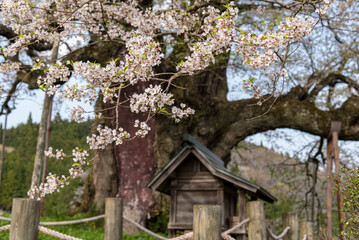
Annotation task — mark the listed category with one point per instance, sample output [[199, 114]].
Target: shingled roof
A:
[[214, 164]]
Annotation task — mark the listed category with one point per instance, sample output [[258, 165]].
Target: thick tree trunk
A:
[[124, 170], [218, 124]]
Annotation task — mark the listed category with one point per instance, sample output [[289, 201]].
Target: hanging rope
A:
[[72, 221], [225, 235], [144, 229], [63, 222], [280, 236], [57, 234], [5, 219], [245, 221], [183, 237], [4, 228]]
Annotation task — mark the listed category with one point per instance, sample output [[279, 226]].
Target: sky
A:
[[33, 104]]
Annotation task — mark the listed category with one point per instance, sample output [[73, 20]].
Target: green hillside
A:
[[18, 163]]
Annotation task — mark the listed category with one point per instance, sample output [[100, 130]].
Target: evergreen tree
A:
[[21, 141], [29, 119]]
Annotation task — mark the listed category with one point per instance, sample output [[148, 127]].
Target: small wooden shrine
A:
[[197, 176]]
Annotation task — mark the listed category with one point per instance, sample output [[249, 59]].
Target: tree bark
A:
[[124, 170], [40, 147], [47, 145], [3, 147]]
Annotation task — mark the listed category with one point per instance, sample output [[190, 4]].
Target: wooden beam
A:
[[257, 226], [306, 229], [207, 222], [291, 219], [113, 219], [25, 219], [339, 184]]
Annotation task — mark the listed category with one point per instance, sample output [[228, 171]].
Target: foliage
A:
[[349, 180], [159, 219], [18, 163]]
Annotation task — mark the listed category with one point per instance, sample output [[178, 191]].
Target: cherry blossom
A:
[[207, 32]]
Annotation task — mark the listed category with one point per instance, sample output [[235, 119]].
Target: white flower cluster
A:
[[152, 100], [179, 113], [79, 93], [54, 73], [144, 128], [53, 183], [217, 31], [21, 43], [107, 136], [59, 153], [76, 114], [323, 10], [7, 67], [144, 53], [79, 157], [258, 52]]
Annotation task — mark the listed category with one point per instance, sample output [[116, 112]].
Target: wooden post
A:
[[207, 222], [332, 145], [25, 218], [306, 228], [291, 219], [257, 225], [329, 188], [113, 219], [336, 126], [241, 201]]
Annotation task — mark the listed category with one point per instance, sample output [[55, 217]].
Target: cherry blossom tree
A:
[[141, 61]]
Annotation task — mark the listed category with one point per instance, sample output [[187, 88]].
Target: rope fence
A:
[[280, 236], [4, 228], [225, 235], [5, 219], [145, 229], [72, 221], [53, 232], [184, 236], [114, 221], [56, 234], [245, 221]]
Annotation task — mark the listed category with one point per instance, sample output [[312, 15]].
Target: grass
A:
[[87, 231]]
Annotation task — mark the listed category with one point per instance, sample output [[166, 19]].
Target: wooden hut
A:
[[197, 176]]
